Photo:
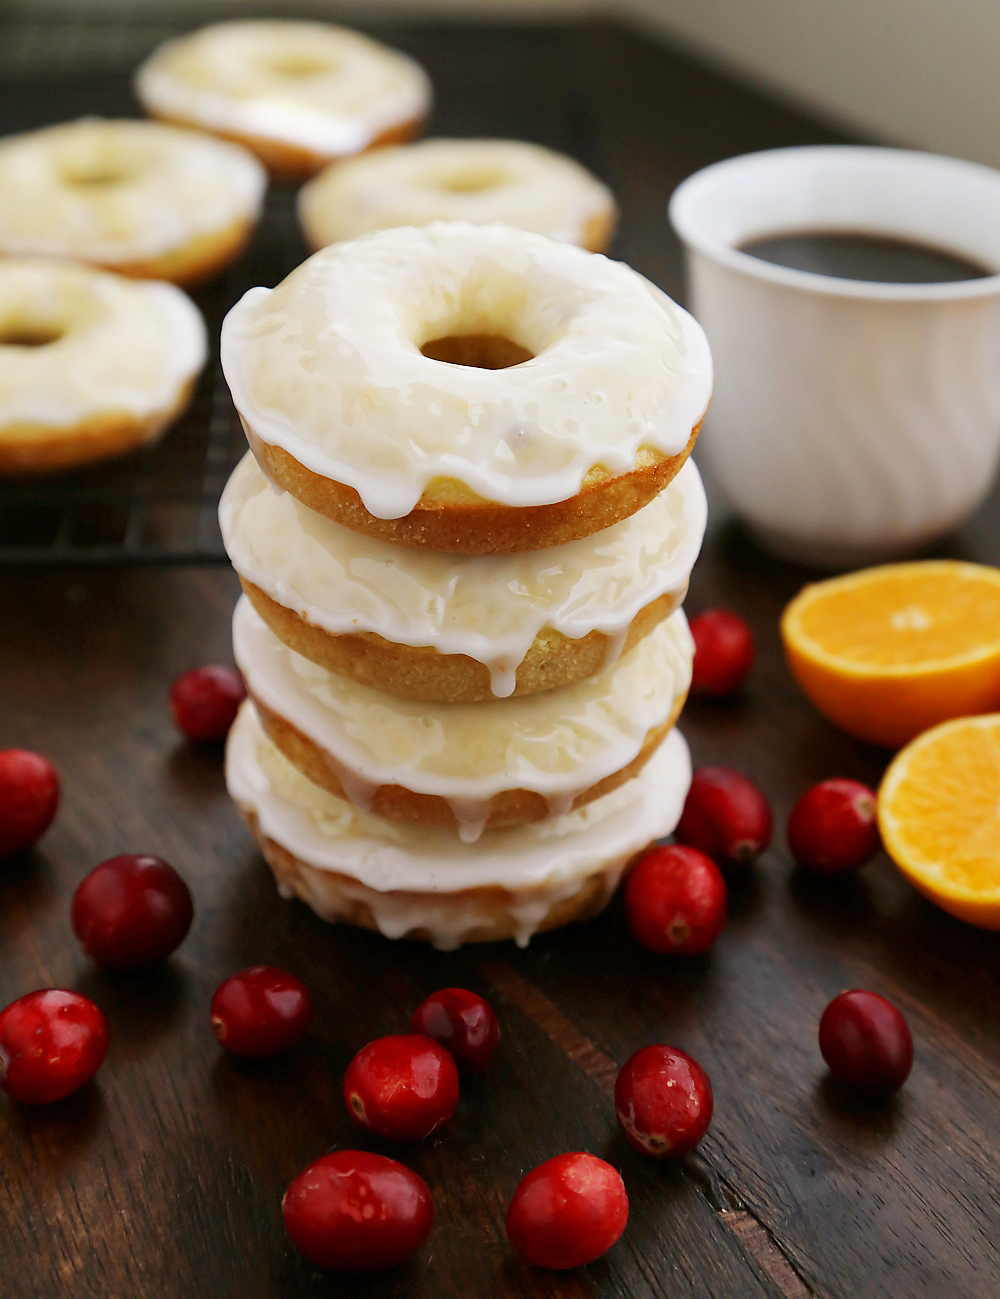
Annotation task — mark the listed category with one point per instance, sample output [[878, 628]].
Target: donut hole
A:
[[483, 351], [26, 334], [297, 67], [471, 180], [95, 173]]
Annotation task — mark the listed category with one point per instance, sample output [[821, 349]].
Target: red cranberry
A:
[[204, 702], [402, 1087], [664, 1101], [260, 1011], [866, 1042], [131, 911], [833, 828], [723, 652], [567, 1211], [29, 796], [725, 816], [463, 1023], [51, 1042], [675, 901], [357, 1212]]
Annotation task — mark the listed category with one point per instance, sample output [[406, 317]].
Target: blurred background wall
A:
[[920, 72]]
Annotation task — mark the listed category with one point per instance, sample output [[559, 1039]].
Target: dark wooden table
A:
[[164, 1176]]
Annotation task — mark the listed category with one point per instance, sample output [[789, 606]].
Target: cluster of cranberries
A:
[[128, 912], [675, 899], [360, 1212], [357, 1211]]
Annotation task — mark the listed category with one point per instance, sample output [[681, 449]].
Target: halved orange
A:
[[890, 651], [939, 814]]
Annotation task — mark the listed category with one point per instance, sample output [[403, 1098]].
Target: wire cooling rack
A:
[[159, 505]]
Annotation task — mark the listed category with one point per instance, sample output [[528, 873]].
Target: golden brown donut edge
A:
[[423, 673], [451, 518]]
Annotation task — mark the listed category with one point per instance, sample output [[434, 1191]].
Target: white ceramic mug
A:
[[851, 420]]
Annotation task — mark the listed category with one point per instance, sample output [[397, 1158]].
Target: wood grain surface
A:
[[164, 1176]]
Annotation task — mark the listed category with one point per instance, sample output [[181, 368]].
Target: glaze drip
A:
[[558, 743], [490, 608]]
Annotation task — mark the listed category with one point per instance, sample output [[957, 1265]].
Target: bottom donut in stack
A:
[[420, 881]]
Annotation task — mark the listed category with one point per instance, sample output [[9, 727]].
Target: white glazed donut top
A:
[[482, 181], [316, 86], [116, 344], [488, 607], [558, 743], [330, 834], [328, 365], [116, 192]]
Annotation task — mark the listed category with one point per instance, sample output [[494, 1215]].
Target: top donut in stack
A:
[[477, 437], [470, 389]]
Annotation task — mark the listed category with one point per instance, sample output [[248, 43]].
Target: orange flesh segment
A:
[[907, 618], [939, 809]]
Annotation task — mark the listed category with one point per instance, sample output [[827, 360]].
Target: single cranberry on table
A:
[[866, 1042], [51, 1043], [204, 702], [352, 1211], [402, 1087], [833, 827], [723, 652], [29, 796], [463, 1023], [675, 900], [260, 1012], [663, 1100], [130, 911], [725, 816], [567, 1211]]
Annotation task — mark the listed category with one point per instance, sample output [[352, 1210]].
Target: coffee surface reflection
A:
[[850, 256]]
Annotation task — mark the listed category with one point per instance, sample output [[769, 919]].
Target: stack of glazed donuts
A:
[[464, 532]]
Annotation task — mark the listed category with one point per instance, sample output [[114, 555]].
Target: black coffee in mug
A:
[[847, 255]]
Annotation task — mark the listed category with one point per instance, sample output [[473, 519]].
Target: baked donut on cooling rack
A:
[[91, 364], [468, 766], [452, 628], [139, 198], [298, 94], [422, 881], [483, 181], [469, 389]]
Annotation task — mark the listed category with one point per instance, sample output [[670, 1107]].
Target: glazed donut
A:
[[298, 94], [91, 364], [474, 766], [483, 181], [458, 629], [423, 882], [139, 198], [470, 389]]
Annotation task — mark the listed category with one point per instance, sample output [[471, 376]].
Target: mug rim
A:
[[693, 235]]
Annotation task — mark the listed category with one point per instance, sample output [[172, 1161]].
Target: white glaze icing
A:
[[482, 181], [417, 868], [116, 192], [558, 743], [310, 84], [488, 607], [121, 345], [328, 365], [447, 921]]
